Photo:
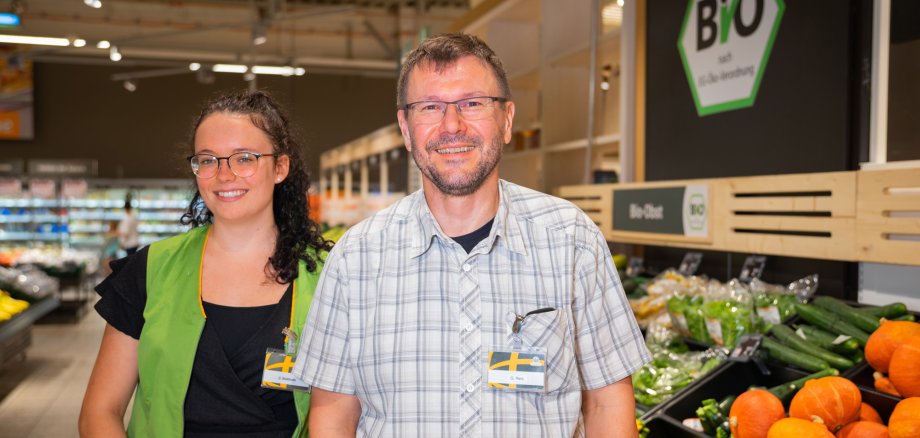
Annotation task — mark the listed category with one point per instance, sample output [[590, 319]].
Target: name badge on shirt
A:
[[276, 374], [517, 369]]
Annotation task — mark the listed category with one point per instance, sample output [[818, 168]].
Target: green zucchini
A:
[[788, 337], [785, 354], [831, 322], [889, 311], [827, 340], [858, 357], [785, 391], [866, 323], [725, 406], [907, 317]]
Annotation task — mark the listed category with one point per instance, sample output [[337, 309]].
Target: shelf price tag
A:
[[752, 268], [690, 263], [74, 188], [634, 267], [745, 348]]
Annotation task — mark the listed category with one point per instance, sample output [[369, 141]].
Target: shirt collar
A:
[[507, 225]]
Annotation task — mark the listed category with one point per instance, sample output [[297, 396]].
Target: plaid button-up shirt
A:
[[404, 318]]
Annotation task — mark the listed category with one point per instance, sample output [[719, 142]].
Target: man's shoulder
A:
[[542, 209]]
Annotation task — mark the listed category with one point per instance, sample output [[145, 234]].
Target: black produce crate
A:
[[730, 380], [664, 427]]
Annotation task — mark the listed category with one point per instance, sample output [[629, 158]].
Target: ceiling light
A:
[[258, 34], [114, 54], [40, 41], [260, 69], [229, 68], [194, 66], [103, 44], [130, 85], [79, 42], [9, 19], [620, 3], [95, 4]]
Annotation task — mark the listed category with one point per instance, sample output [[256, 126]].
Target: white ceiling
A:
[[337, 35]]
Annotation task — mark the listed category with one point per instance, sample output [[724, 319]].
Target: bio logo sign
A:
[[695, 206], [724, 45]]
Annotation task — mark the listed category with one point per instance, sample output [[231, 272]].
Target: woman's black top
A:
[[225, 394]]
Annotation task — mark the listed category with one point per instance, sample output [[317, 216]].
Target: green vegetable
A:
[[773, 308], [725, 406], [858, 357], [890, 311], [826, 340], [864, 322], [788, 337], [696, 323], [908, 317], [712, 418], [731, 318], [831, 322], [785, 354], [785, 391]]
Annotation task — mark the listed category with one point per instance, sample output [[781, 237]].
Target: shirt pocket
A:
[[551, 331]]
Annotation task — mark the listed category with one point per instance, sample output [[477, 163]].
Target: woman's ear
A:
[[282, 168]]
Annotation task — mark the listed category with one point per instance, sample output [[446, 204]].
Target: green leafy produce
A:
[[670, 370], [726, 321], [773, 308]]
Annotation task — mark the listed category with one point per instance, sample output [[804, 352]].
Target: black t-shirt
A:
[[469, 241], [225, 394]]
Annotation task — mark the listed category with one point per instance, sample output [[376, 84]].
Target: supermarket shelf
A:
[[175, 204], [95, 216], [28, 317], [94, 203]]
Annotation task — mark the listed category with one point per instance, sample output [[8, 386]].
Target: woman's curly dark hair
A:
[[290, 204]]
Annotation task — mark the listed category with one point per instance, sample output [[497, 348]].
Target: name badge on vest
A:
[[276, 373]]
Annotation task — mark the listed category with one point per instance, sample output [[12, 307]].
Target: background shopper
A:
[[127, 230]]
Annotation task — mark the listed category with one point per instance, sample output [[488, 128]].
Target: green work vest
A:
[[173, 321]]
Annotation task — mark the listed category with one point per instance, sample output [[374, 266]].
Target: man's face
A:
[[456, 155]]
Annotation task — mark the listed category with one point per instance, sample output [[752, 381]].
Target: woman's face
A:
[[229, 197]]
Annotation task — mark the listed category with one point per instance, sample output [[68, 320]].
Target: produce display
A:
[[672, 368], [10, 306]]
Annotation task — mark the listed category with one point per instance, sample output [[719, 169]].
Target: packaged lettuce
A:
[[775, 304], [728, 313], [672, 368]]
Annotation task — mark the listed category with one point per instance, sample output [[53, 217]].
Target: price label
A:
[[690, 263], [10, 187], [634, 267], [752, 268], [745, 348], [73, 188]]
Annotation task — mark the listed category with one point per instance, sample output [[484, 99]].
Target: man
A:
[[128, 237], [474, 307]]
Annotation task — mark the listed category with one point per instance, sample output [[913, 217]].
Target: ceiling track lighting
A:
[[259, 36], [114, 54], [95, 4], [130, 85]]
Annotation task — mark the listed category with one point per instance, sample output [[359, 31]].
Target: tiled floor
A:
[[45, 391]]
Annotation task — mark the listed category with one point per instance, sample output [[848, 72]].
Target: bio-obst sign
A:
[[724, 46], [682, 210]]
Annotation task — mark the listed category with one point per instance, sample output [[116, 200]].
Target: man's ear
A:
[[508, 121], [404, 129]]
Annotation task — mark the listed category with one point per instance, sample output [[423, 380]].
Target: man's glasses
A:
[[471, 108], [242, 164]]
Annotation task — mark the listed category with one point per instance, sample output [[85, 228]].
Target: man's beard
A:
[[460, 184]]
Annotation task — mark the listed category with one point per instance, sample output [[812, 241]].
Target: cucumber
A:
[[907, 317], [831, 322], [788, 337], [890, 311], [785, 354], [826, 340], [858, 357], [865, 322], [785, 391]]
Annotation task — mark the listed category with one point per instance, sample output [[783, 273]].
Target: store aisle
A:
[[46, 401]]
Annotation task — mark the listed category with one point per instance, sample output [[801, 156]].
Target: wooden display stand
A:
[[859, 216]]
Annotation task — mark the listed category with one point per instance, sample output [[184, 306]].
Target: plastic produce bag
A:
[[775, 304], [728, 312], [672, 368]]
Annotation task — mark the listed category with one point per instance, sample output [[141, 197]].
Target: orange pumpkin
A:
[[904, 371], [835, 400], [753, 412], [863, 429], [905, 420], [889, 336], [883, 384], [868, 413], [798, 428]]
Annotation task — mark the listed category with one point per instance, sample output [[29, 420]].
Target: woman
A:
[[190, 318]]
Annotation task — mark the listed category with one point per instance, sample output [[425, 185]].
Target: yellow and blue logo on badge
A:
[[517, 370]]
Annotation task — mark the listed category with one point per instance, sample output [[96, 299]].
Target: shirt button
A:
[[470, 388], [470, 327], [467, 267]]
